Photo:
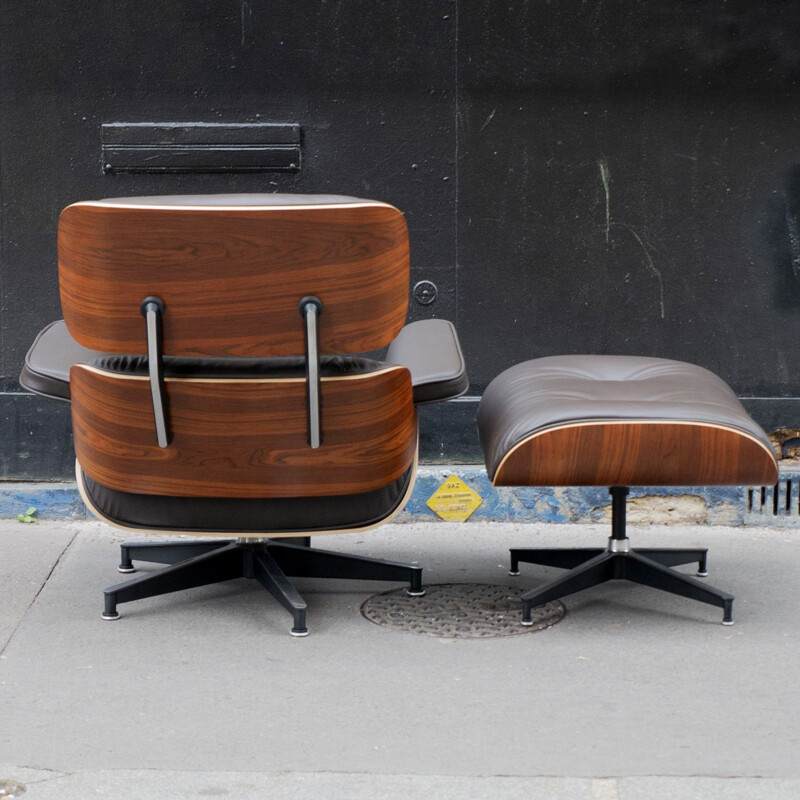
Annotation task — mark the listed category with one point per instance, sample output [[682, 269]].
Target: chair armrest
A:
[[432, 353], [47, 364], [428, 348]]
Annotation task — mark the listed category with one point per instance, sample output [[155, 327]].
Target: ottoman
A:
[[619, 421]]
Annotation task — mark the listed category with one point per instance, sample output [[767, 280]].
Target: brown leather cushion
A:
[[290, 516], [48, 361], [429, 348], [618, 420]]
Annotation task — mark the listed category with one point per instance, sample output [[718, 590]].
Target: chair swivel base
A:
[[593, 566], [193, 564]]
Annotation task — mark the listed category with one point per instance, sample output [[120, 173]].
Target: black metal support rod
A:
[[310, 309], [152, 309]]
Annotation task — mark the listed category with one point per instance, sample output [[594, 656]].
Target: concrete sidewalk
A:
[[634, 694]]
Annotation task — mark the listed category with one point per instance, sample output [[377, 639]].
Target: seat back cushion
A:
[[273, 516], [231, 271]]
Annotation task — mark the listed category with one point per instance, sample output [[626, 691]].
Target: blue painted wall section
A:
[[719, 505], [724, 504], [51, 500]]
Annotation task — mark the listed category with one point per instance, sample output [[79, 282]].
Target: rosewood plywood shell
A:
[[244, 438], [638, 454], [231, 277]]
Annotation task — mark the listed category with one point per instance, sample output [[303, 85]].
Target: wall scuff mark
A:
[[245, 12], [649, 263], [604, 175]]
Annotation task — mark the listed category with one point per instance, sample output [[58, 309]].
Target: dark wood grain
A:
[[232, 277], [638, 454], [244, 438]]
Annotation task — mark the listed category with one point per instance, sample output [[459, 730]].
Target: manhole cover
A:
[[458, 611]]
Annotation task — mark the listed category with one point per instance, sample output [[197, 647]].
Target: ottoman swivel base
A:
[[592, 566]]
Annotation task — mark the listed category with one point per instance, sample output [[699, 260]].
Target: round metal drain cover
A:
[[458, 611]]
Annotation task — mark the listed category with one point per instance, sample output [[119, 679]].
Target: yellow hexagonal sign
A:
[[454, 501]]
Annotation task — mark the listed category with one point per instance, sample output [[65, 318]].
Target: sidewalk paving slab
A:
[[28, 553], [176, 785], [202, 689]]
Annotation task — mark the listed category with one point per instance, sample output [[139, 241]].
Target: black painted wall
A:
[[607, 176]]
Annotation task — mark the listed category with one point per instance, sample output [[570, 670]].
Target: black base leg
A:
[[303, 562], [552, 557], [649, 573], [675, 558], [302, 541], [598, 570], [221, 565], [164, 552], [267, 572]]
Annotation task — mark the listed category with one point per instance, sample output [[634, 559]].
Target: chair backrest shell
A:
[[231, 275]]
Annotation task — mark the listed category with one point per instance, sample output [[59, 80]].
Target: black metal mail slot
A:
[[200, 147]]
